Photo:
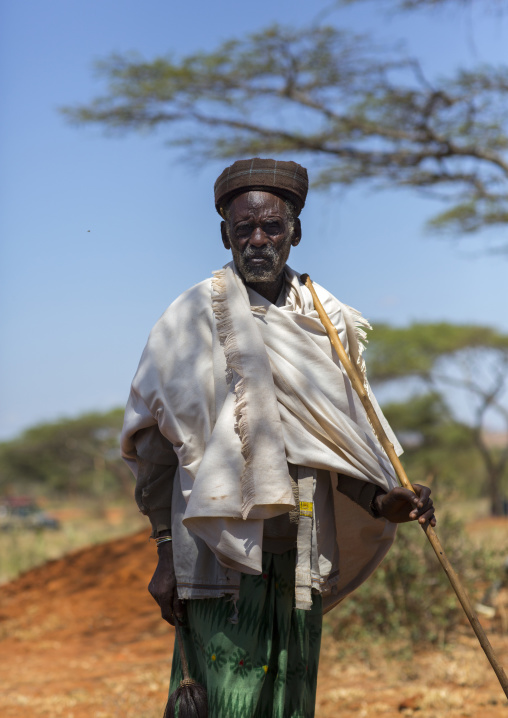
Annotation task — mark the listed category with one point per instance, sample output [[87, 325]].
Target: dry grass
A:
[[83, 523]]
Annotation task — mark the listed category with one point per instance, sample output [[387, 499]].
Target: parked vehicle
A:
[[23, 512]]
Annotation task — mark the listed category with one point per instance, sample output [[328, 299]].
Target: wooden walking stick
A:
[[190, 695], [385, 442]]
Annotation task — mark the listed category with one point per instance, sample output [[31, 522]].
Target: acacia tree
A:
[[358, 114], [421, 4], [438, 448], [450, 359]]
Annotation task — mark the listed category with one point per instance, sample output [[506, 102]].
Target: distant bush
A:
[[409, 597], [72, 456]]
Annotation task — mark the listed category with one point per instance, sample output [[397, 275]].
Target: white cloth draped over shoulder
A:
[[241, 387]]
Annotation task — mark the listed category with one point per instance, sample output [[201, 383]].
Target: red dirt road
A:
[[81, 637]]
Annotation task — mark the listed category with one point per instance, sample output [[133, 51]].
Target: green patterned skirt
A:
[[264, 666]]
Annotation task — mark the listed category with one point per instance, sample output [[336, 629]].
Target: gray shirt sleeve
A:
[[157, 465], [361, 492]]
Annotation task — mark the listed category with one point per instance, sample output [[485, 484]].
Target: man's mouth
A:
[[258, 265]]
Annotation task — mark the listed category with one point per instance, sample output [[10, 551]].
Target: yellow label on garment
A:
[[306, 508]]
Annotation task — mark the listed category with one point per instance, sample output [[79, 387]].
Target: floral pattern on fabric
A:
[[240, 663], [265, 666], [215, 657]]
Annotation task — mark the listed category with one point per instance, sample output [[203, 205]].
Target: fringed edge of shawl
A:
[[220, 308], [241, 427], [224, 324], [360, 326]]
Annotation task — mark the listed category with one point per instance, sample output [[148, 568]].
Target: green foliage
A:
[[395, 352], [426, 414], [472, 216], [361, 114], [397, 5], [75, 455], [409, 596]]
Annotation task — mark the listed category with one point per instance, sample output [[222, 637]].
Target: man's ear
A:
[[297, 233], [224, 235]]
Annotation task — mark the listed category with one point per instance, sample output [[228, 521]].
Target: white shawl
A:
[[280, 396]]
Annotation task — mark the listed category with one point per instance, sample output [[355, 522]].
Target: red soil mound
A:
[[69, 627], [81, 637], [97, 592]]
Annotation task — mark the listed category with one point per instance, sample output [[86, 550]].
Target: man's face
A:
[[260, 235]]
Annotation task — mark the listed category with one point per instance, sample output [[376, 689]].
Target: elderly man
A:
[[269, 494]]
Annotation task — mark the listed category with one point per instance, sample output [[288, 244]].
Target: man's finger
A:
[[167, 613], [422, 492], [179, 609], [426, 510], [423, 517]]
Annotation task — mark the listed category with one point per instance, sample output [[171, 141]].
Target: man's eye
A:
[[273, 228], [243, 229]]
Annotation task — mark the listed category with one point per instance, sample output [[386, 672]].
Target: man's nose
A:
[[258, 238]]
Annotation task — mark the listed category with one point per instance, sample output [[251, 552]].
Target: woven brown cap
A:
[[288, 179]]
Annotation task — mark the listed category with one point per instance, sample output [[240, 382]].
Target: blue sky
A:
[[99, 235]]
